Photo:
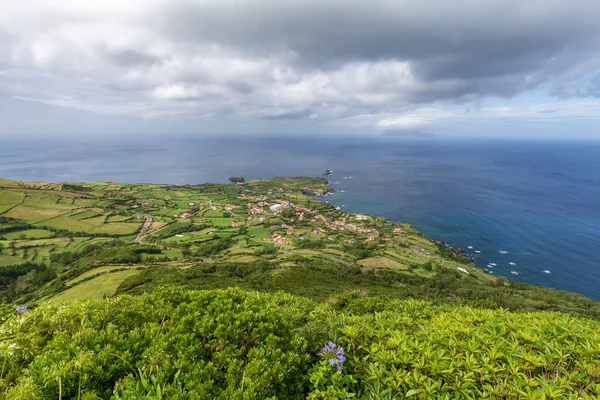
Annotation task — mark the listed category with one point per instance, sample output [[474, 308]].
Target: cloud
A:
[[386, 61], [416, 119]]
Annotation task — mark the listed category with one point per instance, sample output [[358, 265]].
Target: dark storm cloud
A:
[[491, 47], [274, 60]]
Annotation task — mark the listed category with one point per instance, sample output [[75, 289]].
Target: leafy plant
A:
[[232, 344]]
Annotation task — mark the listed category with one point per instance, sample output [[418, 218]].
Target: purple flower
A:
[[21, 309], [334, 354]]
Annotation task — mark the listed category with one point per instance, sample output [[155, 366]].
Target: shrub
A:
[[232, 344]]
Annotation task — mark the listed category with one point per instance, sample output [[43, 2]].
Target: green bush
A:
[[232, 344], [214, 344]]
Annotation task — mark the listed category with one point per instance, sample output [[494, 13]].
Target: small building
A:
[[276, 207]]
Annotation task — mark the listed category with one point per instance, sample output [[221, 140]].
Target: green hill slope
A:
[[231, 344]]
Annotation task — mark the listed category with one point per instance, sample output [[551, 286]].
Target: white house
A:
[[276, 207]]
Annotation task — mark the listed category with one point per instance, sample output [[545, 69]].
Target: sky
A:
[[504, 68]]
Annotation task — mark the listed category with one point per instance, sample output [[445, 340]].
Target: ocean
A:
[[530, 210]]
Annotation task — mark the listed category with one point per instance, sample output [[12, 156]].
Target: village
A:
[[288, 218]]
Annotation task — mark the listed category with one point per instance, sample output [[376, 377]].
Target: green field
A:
[[221, 222], [9, 260], [28, 234], [85, 215], [9, 199], [99, 271], [33, 214], [259, 232], [101, 286]]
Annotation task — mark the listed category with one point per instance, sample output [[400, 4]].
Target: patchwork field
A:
[[78, 230]]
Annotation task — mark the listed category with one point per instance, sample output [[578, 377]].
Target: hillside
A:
[[86, 240], [231, 344], [415, 318]]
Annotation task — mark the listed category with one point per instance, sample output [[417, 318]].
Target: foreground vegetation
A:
[[297, 300], [231, 344]]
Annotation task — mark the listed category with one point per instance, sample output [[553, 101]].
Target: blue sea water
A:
[[532, 203]]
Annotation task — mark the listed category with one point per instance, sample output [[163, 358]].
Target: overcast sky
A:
[[474, 67]]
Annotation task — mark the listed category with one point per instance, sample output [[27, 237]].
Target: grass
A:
[[99, 287], [59, 242], [381, 262], [244, 259], [28, 234], [33, 214], [221, 222], [9, 199], [118, 218], [90, 225], [99, 271], [259, 232], [85, 215], [118, 228], [9, 260]]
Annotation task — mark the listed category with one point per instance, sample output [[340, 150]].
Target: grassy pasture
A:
[[221, 222], [66, 201], [85, 215], [381, 262], [9, 260], [244, 259], [213, 213], [98, 271], [98, 287], [78, 243], [32, 214], [5, 207], [28, 233], [117, 218], [259, 232], [9, 198], [56, 242], [118, 228], [69, 223]]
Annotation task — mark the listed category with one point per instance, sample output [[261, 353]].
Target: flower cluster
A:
[[21, 309], [335, 355]]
